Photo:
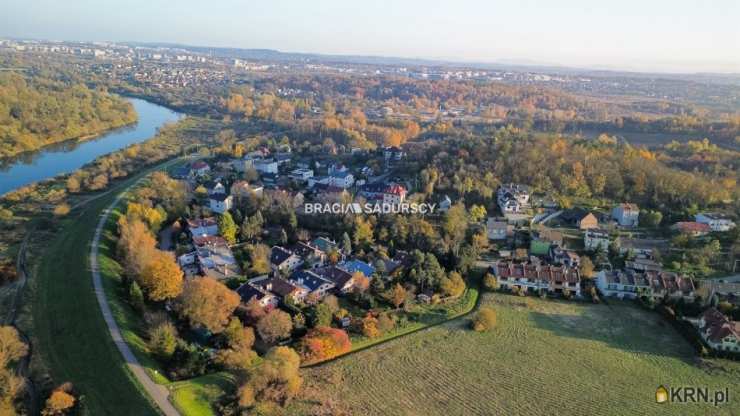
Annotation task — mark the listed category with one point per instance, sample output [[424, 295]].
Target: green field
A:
[[70, 333], [73, 339], [546, 357]]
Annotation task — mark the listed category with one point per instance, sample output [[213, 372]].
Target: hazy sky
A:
[[662, 35]]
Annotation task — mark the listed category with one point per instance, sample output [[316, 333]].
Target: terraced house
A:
[[658, 285], [534, 277]]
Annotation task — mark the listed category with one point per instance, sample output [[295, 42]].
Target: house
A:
[[268, 166], [717, 222], [310, 254], [393, 153], [657, 285], [718, 331], [212, 257], [643, 264], [283, 260], [317, 286], [242, 189], [215, 188], [561, 256], [581, 218], [247, 292], [512, 198], [354, 266], [220, 203], [626, 215], [301, 174], [283, 289], [202, 227], [343, 280], [533, 277], [341, 179], [392, 193], [445, 204], [596, 239], [199, 169], [326, 245], [692, 228], [496, 230]]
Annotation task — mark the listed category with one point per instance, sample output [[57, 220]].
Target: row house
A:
[[317, 286], [535, 277], [658, 285]]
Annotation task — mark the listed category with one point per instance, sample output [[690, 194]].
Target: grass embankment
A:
[[72, 336], [545, 357]]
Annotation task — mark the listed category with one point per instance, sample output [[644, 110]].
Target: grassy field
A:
[[545, 357], [195, 396], [69, 328]]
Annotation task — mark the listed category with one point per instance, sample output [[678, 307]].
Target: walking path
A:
[[157, 392]]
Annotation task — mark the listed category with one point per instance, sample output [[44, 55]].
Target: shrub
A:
[[323, 343], [490, 282], [484, 320]]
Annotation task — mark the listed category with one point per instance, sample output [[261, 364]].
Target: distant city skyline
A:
[[654, 36]]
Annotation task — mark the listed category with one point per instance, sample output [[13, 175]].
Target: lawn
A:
[[195, 396], [546, 357]]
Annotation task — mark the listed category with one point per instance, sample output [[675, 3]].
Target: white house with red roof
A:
[[719, 332]]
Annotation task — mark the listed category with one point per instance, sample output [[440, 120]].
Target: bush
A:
[[490, 282], [323, 343], [484, 320]]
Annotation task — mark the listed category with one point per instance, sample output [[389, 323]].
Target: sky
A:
[[640, 35]]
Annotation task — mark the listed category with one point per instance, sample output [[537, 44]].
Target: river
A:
[[66, 157]]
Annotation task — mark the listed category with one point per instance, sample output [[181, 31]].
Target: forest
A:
[[37, 110]]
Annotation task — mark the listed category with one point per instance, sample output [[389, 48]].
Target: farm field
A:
[[546, 357]]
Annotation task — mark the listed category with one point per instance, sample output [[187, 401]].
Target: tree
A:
[[484, 320], [274, 326], [370, 327], [363, 232], [398, 295], [236, 359], [477, 213], [323, 343], [649, 218], [321, 315], [490, 282], [454, 285], [227, 227], [62, 210], [237, 336], [361, 283], [136, 246], [12, 348], [276, 381], [259, 258], [163, 340], [587, 268], [59, 402], [136, 297], [162, 277], [207, 303]]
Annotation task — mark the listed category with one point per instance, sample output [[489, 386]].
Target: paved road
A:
[[157, 392]]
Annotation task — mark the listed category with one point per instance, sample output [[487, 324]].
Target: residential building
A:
[[311, 255], [512, 198], [301, 174], [269, 166], [211, 257], [247, 292], [718, 331], [202, 227], [199, 169], [220, 203], [641, 246], [581, 218], [392, 193], [643, 264], [561, 256], [341, 179], [496, 230], [283, 260], [534, 277], [354, 266], [283, 289], [657, 285], [393, 153], [317, 286], [242, 189], [717, 222], [215, 188], [596, 239], [342, 279], [626, 215], [692, 228]]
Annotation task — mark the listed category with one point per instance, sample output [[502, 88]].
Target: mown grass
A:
[[196, 396], [72, 336], [545, 357]]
